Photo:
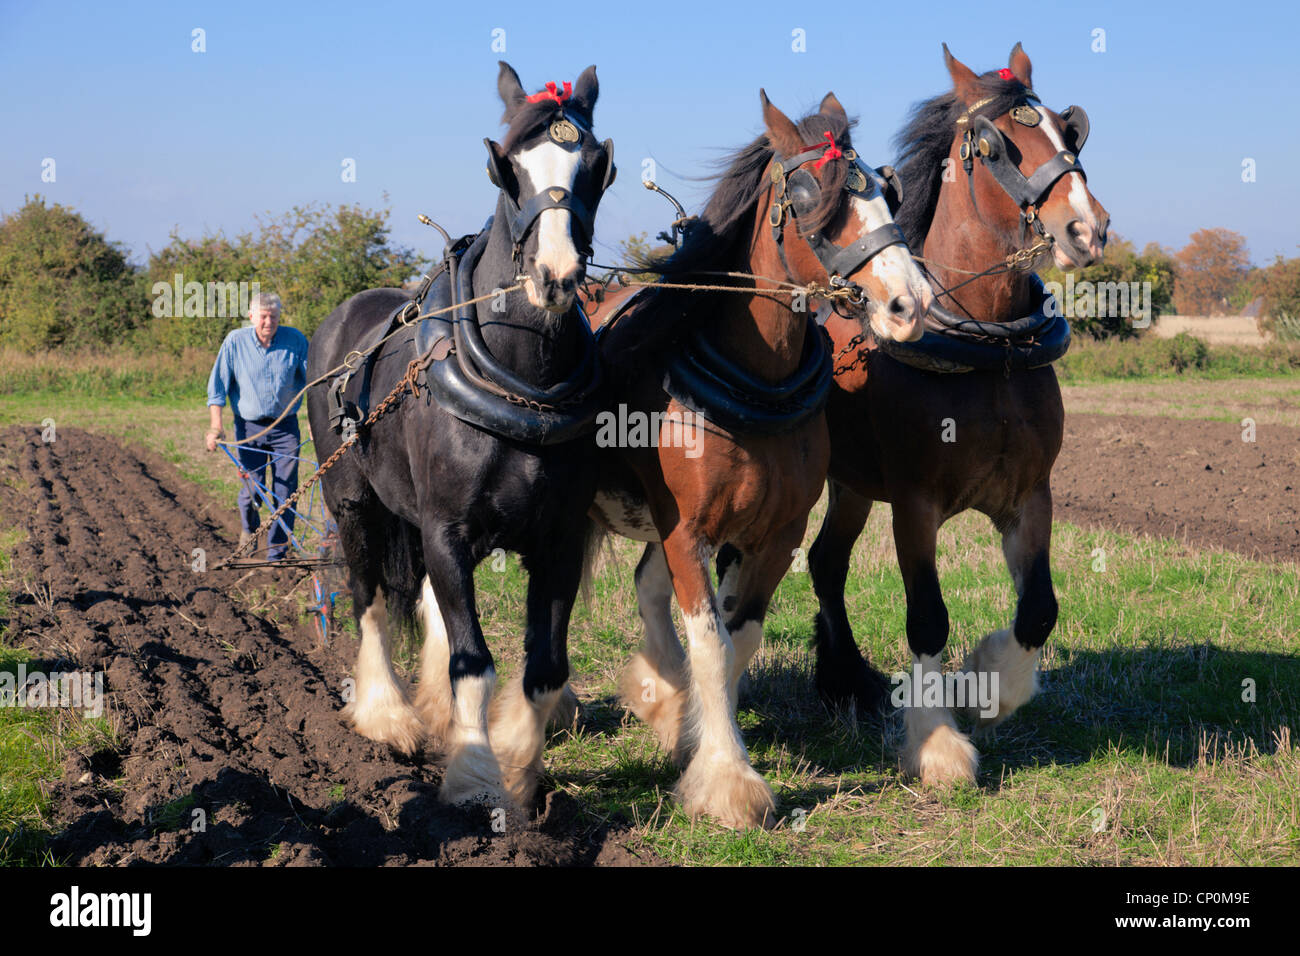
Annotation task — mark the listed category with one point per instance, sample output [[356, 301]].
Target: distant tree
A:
[[1210, 268], [62, 283], [212, 258], [314, 257], [1280, 287]]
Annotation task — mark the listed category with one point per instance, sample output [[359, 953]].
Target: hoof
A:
[[945, 756], [567, 711], [1017, 676], [649, 696], [847, 681], [392, 721], [473, 777], [434, 709], [732, 794]]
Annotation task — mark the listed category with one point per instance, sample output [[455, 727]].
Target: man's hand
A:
[[215, 434]]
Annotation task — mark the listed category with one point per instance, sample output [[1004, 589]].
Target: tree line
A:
[[65, 285]]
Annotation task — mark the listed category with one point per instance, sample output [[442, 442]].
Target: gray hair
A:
[[264, 300]]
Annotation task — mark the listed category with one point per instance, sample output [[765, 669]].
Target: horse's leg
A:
[[1011, 655], [519, 714], [379, 709], [653, 683], [744, 592], [934, 749], [472, 770], [843, 676], [433, 693], [718, 779]]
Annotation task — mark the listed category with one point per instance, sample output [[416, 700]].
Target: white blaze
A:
[[1078, 191], [549, 165]]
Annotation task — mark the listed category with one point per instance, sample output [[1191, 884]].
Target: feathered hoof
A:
[[473, 776], [434, 709], [943, 757], [566, 712], [732, 794], [646, 693], [393, 722], [1017, 677]]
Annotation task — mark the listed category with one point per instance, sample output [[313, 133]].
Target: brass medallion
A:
[[562, 131], [1026, 116], [856, 181]]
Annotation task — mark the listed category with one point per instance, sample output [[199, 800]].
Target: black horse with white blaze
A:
[[490, 447]]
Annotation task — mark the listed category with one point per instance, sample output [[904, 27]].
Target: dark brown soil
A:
[[222, 709], [1195, 481]]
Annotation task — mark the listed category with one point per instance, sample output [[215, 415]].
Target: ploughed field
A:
[[1176, 559]]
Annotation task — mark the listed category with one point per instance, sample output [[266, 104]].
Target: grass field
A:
[[1162, 736]]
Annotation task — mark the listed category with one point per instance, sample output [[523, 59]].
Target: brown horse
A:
[[934, 445], [703, 479]]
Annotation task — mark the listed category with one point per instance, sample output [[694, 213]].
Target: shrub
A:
[[61, 282]]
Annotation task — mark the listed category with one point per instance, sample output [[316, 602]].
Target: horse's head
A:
[[842, 211], [1029, 176], [551, 172]]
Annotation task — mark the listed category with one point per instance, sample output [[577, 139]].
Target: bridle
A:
[[981, 138], [798, 194], [565, 130]]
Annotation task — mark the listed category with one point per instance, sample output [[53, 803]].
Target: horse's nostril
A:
[[902, 305]]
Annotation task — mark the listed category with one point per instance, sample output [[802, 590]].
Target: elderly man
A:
[[261, 367]]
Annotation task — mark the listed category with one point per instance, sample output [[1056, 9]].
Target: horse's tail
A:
[[594, 538], [402, 571]]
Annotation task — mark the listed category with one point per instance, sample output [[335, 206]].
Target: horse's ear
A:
[[782, 133], [585, 92], [832, 108], [964, 81], [1019, 64], [511, 90]]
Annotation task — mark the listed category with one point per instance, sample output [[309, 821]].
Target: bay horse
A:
[[983, 166], [741, 463], [430, 490]]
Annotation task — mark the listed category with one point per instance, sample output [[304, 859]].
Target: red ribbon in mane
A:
[[552, 93], [1006, 74], [832, 151]]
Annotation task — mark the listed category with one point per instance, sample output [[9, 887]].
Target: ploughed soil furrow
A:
[[1196, 481], [232, 749]]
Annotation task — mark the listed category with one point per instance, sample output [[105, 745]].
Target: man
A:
[[261, 367]]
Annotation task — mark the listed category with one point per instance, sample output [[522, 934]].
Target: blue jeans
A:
[[276, 452]]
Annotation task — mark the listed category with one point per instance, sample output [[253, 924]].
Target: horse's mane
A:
[[923, 146], [717, 240], [727, 219]]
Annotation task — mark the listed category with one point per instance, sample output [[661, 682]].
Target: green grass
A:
[[1141, 724], [1183, 356]]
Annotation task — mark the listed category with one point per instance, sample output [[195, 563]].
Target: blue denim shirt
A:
[[260, 381]]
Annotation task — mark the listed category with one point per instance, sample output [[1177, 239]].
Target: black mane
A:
[[924, 144], [727, 220]]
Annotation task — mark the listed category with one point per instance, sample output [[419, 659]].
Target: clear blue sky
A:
[[148, 135]]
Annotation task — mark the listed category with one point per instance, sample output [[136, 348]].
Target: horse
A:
[[492, 451], [728, 388], [935, 444]]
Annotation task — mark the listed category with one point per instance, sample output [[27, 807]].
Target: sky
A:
[[149, 136]]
